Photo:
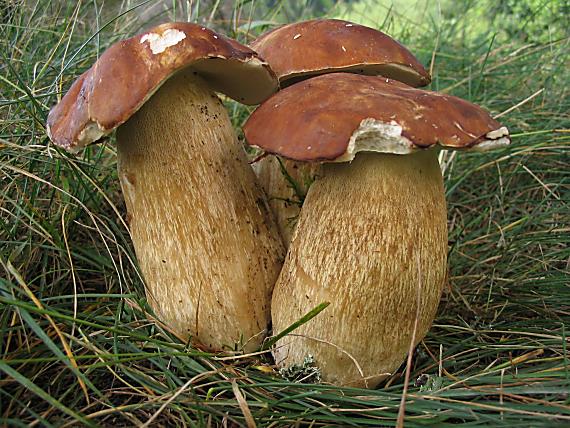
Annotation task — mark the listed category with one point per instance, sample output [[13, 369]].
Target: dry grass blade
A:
[[150, 420], [402, 410], [60, 334], [243, 405]]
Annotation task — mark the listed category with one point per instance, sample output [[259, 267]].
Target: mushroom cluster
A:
[[311, 48], [371, 237], [203, 235], [353, 137]]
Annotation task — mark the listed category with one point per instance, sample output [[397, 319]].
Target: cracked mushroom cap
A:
[[130, 71], [334, 116], [301, 50]]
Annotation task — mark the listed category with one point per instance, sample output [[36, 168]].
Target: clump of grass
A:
[[305, 372], [80, 346]]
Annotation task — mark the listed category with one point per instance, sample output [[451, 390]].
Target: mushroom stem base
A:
[[372, 240], [203, 236]]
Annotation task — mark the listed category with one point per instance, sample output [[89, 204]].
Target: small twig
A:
[[440, 370]]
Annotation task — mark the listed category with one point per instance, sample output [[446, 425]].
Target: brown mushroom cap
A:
[[331, 117], [130, 71], [304, 49]]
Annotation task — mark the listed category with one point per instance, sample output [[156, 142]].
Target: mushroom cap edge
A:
[[309, 121], [130, 71]]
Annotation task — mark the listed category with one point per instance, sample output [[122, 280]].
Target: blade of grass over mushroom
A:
[[292, 182], [305, 318], [502, 326]]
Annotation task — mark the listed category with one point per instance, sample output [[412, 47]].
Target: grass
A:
[[80, 346]]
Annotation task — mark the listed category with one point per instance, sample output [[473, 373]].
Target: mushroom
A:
[[204, 238], [311, 48], [372, 235]]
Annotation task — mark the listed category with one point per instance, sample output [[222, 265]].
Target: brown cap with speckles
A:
[[130, 71], [305, 49], [334, 116]]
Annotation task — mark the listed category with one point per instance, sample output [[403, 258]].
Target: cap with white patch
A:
[[310, 48], [130, 71], [334, 116]]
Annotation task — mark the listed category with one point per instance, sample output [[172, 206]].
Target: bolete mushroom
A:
[[311, 48], [203, 236], [372, 235]]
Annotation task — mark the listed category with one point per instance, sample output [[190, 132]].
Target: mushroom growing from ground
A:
[[311, 48], [372, 234], [204, 238]]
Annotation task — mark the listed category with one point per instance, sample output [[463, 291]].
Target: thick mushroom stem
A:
[[204, 238], [371, 240], [286, 189]]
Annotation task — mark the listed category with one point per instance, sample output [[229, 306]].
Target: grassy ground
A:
[[79, 345]]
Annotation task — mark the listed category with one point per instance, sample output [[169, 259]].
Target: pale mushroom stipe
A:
[[306, 49], [371, 238], [205, 241]]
